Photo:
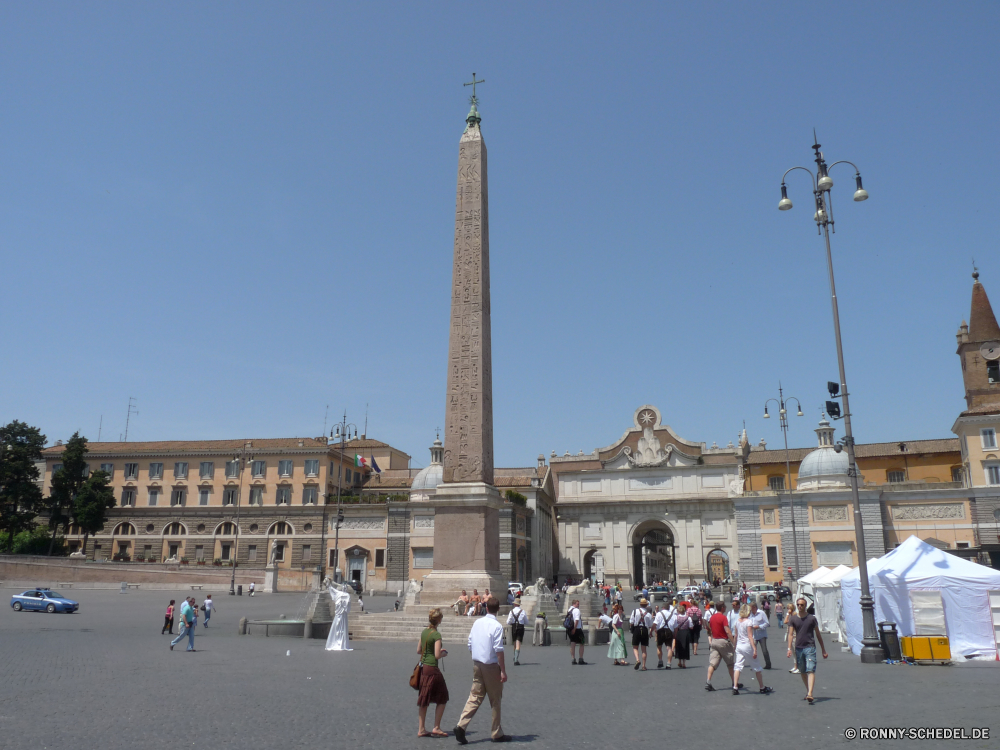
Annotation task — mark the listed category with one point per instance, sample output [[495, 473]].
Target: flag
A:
[[375, 465], [359, 460]]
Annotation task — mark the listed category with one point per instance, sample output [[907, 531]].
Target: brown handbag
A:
[[415, 677]]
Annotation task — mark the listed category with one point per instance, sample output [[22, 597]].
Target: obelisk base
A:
[[466, 543]]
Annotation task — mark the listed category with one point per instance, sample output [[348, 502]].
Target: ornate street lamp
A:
[[243, 458], [781, 401], [343, 433], [822, 183]]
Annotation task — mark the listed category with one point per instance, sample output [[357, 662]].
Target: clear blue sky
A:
[[240, 213]]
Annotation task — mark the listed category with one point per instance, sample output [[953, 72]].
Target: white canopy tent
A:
[[923, 589], [805, 583], [826, 593]]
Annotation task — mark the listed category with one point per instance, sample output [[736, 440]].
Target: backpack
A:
[[568, 622]]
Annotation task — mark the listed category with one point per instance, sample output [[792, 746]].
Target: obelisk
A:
[[466, 505]]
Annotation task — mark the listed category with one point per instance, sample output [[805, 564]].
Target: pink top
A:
[[170, 610]]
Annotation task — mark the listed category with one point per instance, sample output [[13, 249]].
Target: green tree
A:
[[20, 496], [66, 484], [91, 504]]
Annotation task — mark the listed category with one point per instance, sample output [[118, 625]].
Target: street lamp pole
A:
[[871, 651], [242, 459], [783, 418], [343, 432]]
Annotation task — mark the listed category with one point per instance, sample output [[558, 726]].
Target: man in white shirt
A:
[[488, 672], [664, 635], [576, 635], [209, 607], [517, 619], [733, 615], [760, 622], [641, 622]]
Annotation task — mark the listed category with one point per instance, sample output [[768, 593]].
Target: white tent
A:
[[922, 589], [806, 582], [826, 592]]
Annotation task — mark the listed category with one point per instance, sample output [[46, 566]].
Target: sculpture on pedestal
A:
[[338, 639]]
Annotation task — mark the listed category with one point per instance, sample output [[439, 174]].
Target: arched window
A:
[[280, 528], [124, 529], [226, 529], [175, 529]]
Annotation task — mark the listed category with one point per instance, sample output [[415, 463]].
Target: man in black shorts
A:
[[664, 635], [576, 635], [641, 622]]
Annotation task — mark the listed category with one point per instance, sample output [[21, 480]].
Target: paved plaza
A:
[[104, 678]]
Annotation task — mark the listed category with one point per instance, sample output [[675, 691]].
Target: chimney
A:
[[541, 460]]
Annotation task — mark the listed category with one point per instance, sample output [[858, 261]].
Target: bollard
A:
[[307, 630], [239, 590], [124, 588], [243, 626]]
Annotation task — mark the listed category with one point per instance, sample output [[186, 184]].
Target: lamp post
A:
[[343, 433], [822, 183], [242, 458], [783, 419]]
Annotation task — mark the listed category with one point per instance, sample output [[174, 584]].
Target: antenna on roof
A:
[[131, 410], [99, 426], [366, 413], [325, 415]]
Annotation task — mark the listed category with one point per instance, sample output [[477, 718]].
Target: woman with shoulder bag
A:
[[431, 682]]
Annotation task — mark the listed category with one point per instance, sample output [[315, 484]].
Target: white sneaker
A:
[[794, 671]]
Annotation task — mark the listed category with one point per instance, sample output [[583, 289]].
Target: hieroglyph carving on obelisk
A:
[[468, 455]]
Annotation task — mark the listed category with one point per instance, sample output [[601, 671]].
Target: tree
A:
[[91, 504], [66, 484], [20, 496]]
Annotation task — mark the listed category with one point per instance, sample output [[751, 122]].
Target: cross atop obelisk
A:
[[468, 437], [473, 83]]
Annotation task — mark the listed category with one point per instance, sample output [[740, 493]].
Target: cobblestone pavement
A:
[[104, 678]]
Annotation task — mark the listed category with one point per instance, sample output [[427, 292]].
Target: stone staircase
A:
[[404, 626]]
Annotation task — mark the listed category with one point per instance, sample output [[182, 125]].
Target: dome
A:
[[825, 467], [428, 478]]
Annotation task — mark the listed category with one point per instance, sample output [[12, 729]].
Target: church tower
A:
[[979, 425]]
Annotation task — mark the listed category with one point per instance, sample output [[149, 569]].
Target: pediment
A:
[[648, 443]]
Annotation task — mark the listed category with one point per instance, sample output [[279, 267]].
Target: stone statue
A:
[[338, 639], [581, 588], [736, 486], [274, 552], [537, 589]]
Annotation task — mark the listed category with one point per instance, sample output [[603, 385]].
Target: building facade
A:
[[650, 506], [220, 502]]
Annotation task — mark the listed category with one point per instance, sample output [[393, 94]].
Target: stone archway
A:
[[653, 553], [717, 565], [593, 566]]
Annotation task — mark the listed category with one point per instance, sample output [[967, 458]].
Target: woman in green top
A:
[[432, 686]]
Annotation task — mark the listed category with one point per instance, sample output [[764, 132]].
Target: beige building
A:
[[205, 503]]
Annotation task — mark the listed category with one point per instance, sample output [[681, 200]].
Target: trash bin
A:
[[239, 590], [890, 641]]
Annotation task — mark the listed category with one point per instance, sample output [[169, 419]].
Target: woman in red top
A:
[[168, 620]]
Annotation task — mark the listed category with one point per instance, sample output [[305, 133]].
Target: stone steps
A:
[[408, 627]]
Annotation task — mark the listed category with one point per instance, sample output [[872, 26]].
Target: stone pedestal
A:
[[466, 543], [271, 580]]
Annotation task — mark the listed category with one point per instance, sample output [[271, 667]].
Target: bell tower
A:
[[978, 427]]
